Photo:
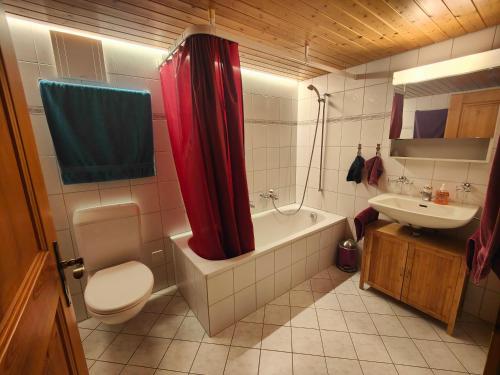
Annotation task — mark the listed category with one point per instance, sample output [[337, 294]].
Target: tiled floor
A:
[[324, 326]]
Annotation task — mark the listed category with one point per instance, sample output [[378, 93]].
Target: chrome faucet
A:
[[426, 193], [271, 194], [401, 180], [466, 187]]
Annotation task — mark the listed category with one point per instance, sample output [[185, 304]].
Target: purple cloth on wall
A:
[[374, 169], [396, 116], [483, 247], [430, 124]]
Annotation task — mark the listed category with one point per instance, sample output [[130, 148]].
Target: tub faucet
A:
[[271, 194]]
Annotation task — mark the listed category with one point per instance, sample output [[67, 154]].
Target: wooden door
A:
[[386, 263], [38, 333], [433, 276], [473, 114]]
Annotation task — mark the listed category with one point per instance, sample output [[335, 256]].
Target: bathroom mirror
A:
[[463, 106]]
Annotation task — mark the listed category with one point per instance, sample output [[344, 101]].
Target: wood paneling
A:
[[340, 33]]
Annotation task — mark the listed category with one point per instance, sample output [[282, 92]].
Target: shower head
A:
[[311, 87]]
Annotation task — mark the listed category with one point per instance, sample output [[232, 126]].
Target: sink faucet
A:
[[401, 180], [426, 193], [466, 187], [271, 194]]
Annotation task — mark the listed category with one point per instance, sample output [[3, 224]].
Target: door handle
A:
[[62, 264]]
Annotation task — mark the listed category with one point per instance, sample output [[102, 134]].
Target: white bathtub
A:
[[288, 250]]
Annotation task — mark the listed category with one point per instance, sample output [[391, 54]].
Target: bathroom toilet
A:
[[109, 240]]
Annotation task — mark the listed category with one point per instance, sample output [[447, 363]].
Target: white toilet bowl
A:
[[109, 240], [116, 294]]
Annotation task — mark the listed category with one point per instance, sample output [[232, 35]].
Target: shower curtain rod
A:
[[211, 29]]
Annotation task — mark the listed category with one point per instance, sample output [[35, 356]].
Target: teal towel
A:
[[99, 133]]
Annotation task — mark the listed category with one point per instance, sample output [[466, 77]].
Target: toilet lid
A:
[[118, 288]]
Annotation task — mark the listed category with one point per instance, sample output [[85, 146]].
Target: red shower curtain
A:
[[203, 101]]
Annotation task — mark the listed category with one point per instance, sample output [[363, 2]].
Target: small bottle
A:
[[442, 195]]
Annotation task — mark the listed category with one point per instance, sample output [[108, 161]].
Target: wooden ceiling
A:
[[340, 33]]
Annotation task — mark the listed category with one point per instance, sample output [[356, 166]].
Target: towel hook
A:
[[359, 149], [377, 153]]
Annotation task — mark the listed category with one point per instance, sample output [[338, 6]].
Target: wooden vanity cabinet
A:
[[426, 272], [473, 114]]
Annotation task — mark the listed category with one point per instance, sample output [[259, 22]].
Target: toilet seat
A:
[[118, 289]]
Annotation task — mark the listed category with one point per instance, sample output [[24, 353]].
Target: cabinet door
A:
[[473, 115], [431, 279], [387, 260]]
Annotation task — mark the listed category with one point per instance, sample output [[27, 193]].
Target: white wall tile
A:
[[282, 257], [115, 196], [435, 52], [221, 315], [220, 286], [282, 281], [299, 250], [244, 275], [478, 41], [245, 302], [264, 266], [265, 290]]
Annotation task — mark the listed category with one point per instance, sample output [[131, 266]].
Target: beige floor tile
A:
[[122, 348], [242, 361], [419, 328], [190, 330], [277, 338], [338, 275], [359, 322], [84, 332], [338, 344], [304, 286], [283, 300], [321, 285], [377, 305], [349, 302], [340, 366], [223, 338], [275, 314], [90, 323], [374, 368], [438, 355], [89, 362], [370, 348], [247, 335], [136, 370], [304, 317], [140, 324], [168, 372], [331, 320], [306, 341], [400, 309], [210, 359], [256, 317], [322, 275], [459, 335], [347, 287], [388, 325], [176, 306], [166, 326], [326, 301], [478, 331], [95, 343], [309, 364], [410, 370], [472, 357], [301, 298], [110, 327], [445, 372], [275, 363], [403, 351], [179, 356], [105, 368], [150, 352], [157, 303]]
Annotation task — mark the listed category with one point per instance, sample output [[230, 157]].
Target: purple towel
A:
[[374, 170], [396, 116], [362, 219], [430, 124]]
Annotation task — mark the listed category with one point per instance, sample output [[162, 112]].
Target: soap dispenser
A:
[[442, 195]]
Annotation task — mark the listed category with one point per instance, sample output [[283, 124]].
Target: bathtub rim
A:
[[212, 268]]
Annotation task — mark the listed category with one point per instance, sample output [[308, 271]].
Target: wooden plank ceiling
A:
[[340, 33]]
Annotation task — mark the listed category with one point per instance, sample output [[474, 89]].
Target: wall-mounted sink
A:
[[418, 213]]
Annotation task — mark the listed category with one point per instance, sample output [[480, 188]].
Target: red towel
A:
[[362, 219], [483, 247], [396, 116], [374, 170]]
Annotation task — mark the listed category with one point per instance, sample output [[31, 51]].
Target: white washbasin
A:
[[419, 213]]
